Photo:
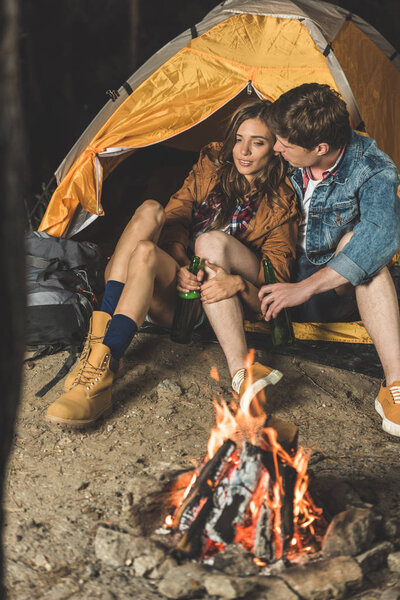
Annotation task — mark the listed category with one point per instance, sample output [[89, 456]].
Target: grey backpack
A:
[[64, 278]]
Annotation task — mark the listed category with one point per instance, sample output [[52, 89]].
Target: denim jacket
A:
[[361, 197]]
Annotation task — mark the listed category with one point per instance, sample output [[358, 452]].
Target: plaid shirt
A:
[[208, 211]]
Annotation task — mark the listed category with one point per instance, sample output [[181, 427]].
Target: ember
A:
[[250, 489]]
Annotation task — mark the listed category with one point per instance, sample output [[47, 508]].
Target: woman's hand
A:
[[186, 281], [220, 287]]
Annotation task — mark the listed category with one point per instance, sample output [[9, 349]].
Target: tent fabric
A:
[[269, 45], [351, 333]]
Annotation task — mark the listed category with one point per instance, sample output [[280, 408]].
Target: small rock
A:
[[82, 486], [235, 560], [375, 558], [350, 532], [394, 562], [162, 570], [324, 579], [168, 390], [391, 594], [224, 586], [41, 561], [146, 563], [112, 547], [269, 588], [391, 528], [115, 547], [185, 581]]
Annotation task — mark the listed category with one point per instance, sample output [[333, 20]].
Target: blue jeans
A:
[[327, 307]]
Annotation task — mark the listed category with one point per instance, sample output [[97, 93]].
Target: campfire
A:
[[250, 489]]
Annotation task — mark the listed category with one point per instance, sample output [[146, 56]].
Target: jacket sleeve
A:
[[376, 237], [280, 247]]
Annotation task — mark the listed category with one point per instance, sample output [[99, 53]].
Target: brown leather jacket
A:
[[271, 232]]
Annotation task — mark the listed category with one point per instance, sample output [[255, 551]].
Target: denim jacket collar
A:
[[350, 158]]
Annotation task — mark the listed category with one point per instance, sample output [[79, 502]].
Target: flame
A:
[[169, 521], [214, 373], [244, 422]]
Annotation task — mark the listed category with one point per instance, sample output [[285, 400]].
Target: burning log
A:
[[203, 486], [233, 496], [252, 491], [282, 474]]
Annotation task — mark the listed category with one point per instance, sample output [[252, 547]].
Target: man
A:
[[347, 189]]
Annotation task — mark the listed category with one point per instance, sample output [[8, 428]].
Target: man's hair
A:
[[310, 114]]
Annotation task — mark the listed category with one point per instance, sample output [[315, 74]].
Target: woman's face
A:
[[253, 148]]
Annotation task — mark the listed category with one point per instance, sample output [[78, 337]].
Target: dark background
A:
[[72, 51]]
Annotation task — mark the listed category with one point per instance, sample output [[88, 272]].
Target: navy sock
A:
[[112, 294], [119, 335]]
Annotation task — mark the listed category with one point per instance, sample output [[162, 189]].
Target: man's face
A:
[[297, 156]]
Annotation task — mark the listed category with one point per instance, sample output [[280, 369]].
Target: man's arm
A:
[[277, 296]]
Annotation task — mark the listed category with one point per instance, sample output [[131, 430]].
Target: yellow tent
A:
[[241, 47]]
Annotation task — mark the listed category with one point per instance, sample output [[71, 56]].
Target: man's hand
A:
[[186, 281], [276, 296], [220, 287]]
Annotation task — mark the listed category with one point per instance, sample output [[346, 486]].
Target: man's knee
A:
[[151, 210]]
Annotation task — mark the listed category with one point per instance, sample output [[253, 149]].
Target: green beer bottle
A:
[[281, 326], [187, 310]]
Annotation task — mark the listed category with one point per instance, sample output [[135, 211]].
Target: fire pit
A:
[[251, 489]]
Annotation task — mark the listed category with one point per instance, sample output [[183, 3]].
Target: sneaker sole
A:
[[387, 425], [271, 379], [78, 423]]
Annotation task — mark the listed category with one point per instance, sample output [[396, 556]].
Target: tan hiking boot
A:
[[250, 383], [97, 329], [387, 405], [90, 398]]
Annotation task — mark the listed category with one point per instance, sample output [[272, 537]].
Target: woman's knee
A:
[[212, 245], [144, 256], [150, 210]]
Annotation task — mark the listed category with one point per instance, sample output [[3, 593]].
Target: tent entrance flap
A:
[[191, 140]]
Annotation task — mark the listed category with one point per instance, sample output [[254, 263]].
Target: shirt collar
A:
[[306, 171]]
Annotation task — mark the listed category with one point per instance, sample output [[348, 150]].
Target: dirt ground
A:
[[63, 483]]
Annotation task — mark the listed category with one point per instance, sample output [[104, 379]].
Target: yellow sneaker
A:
[[98, 326], [248, 383], [387, 405], [90, 398]]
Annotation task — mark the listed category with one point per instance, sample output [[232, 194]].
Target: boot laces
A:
[[90, 375], [395, 391], [91, 339]]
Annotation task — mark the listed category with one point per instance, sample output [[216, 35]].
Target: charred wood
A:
[[204, 486], [233, 495]]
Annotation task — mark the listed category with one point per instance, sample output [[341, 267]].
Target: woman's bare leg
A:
[[150, 286], [146, 224], [226, 316]]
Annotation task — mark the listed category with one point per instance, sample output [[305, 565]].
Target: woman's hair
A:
[[232, 184]]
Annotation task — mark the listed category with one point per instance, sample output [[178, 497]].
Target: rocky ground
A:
[[76, 500]]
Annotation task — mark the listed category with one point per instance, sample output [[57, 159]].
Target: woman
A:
[[233, 209]]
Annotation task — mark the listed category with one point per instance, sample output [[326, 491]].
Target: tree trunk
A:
[[12, 270]]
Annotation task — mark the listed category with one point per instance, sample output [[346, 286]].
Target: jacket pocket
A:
[[341, 213]]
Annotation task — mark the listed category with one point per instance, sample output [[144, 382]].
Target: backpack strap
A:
[[73, 352]]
